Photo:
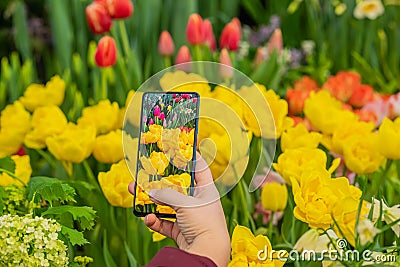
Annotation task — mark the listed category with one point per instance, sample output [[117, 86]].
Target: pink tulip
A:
[[157, 111], [209, 35], [226, 69], [166, 45]]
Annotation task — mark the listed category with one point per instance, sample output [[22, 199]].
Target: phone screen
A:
[[167, 148]]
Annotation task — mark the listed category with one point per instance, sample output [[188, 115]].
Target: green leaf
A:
[[50, 189], [2, 196], [74, 236], [84, 215], [7, 164], [131, 258], [106, 253]]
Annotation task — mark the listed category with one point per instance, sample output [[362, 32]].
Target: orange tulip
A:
[[209, 35], [296, 99], [166, 45], [194, 30], [98, 18], [275, 42], [362, 94], [231, 35], [119, 9], [342, 85], [106, 52]]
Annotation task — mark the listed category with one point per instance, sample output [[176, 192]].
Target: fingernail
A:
[[152, 193]]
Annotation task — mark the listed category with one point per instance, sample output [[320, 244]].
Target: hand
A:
[[200, 226]]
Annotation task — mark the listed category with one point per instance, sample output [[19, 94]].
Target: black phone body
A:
[[167, 148]]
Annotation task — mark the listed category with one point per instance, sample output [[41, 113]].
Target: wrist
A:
[[216, 249]]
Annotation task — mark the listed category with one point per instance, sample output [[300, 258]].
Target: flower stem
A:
[[124, 37], [13, 176], [104, 90], [90, 174], [270, 225]]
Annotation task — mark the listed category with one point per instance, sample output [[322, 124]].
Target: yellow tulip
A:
[[293, 162], [361, 153], [246, 248], [74, 144], [15, 123], [270, 111], [346, 131], [299, 137], [37, 95], [46, 121], [319, 197], [22, 171], [159, 161], [108, 147], [179, 81], [389, 138], [114, 185], [274, 196], [104, 116], [325, 112], [153, 135]]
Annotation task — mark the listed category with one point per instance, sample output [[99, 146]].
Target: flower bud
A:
[[231, 35], [226, 69], [194, 30], [209, 35], [119, 9], [183, 56], [260, 57], [166, 45], [98, 18], [106, 52], [275, 42]]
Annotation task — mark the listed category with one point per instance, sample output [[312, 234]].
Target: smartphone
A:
[[167, 148]]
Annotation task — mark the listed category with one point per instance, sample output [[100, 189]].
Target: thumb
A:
[[171, 198]]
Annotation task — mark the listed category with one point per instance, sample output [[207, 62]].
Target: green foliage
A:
[[50, 189], [7, 164], [83, 215], [74, 236]]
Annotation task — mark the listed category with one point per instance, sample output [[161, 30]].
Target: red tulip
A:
[[275, 42], [98, 18], [226, 69], [209, 35], [119, 9], [361, 95], [194, 30], [166, 45], [106, 52], [231, 35]]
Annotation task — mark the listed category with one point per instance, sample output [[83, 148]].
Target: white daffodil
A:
[[389, 215], [366, 231], [370, 9]]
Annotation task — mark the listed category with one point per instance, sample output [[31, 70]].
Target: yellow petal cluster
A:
[[74, 144], [389, 138], [108, 147], [246, 247], [104, 116], [361, 153], [38, 95], [299, 137], [114, 185], [15, 123], [46, 121], [22, 171], [180, 81], [293, 162], [325, 112]]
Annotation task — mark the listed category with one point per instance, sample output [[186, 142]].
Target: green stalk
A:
[[47, 157], [197, 50], [89, 172], [167, 61], [270, 226], [13, 176], [124, 37], [104, 90]]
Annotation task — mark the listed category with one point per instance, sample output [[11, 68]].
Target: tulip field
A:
[[299, 122]]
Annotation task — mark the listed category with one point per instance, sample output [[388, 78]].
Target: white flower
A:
[[369, 9], [366, 231], [389, 215]]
